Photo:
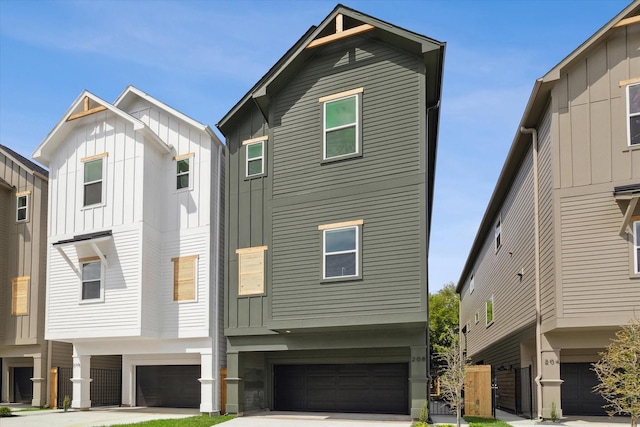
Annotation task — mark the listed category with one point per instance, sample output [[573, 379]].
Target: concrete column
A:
[[418, 380], [209, 402], [39, 380], [235, 386], [128, 383], [4, 387], [551, 382], [81, 381]]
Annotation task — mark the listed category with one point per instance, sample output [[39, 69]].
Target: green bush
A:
[[5, 411], [66, 403]]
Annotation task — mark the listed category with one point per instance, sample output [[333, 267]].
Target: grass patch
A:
[[31, 409], [485, 422], [197, 421]]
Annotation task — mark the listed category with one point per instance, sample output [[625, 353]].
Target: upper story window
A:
[[633, 111], [20, 296], [497, 234], [341, 124], [476, 317], [472, 284], [254, 156], [91, 279], [489, 310], [22, 207], [636, 247], [184, 278], [184, 166], [341, 250], [93, 179]]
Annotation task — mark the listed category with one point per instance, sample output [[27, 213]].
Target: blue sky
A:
[[202, 56]]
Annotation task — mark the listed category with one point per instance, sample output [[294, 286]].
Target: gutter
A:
[[536, 219]]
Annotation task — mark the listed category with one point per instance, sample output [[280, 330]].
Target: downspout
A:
[[536, 220]]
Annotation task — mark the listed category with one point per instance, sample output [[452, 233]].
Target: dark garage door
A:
[[577, 397], [370, 388], [22, 385], [173, 386]]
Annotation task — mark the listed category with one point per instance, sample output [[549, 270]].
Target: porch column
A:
[[550, 380], [418, 380], [208, 385], [81, 381], [39, 398], [235, 386]]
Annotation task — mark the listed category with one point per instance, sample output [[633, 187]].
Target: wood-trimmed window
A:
[[341, 124], [91, 287], [341, 250], [20, 296], [254, 156], [251, 270], [184, 167], [633, 114], [184, 278], [93, 179], [489, 310], [22, 206]]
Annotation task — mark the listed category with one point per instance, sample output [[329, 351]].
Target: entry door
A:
[[22, 385]]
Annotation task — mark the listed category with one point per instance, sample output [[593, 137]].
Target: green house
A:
[[329, 188]]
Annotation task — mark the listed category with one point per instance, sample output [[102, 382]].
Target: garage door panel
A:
[[576, 390], [174, 386]]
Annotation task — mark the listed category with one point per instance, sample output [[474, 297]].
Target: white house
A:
[[133, 248]]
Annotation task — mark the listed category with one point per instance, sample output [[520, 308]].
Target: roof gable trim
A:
[[340, 33]]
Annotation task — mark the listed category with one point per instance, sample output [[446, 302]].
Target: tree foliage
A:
[[443, 318], [619, 373], [453, 369]]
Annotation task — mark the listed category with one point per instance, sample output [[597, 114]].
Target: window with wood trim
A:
[[20, 296], [91, 279], [633, 113], [341, 250], [251, 262], [341, 127], [93, 177], [489, 310], [254, 164], [22, 207], [183, 169], [184, 278]]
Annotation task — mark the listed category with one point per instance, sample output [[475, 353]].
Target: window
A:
[[93, 182], [254, 158], [489, 310], [184, 278], [476, 317], [633, 111], [182, 171], [22, 207], [341, 249], [341, 124], [472, 285], [251, 270], [636, 246], [91, 280], [498, 234], [19, 296]]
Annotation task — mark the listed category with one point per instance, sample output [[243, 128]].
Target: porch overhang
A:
[[91, 240], [630, 194]]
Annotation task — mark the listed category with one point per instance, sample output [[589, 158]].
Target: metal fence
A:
[[105, 389]]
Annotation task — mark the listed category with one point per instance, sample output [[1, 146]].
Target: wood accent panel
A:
[[477, 391], [340, 35], [53, 388], [23, 193], [86, 113], [252, 140], [183, 156], [629, 81], [90, 258], [627, 21], [251, 250], [20, 295], [341, 94], [184, 278], [251, 271], [94, 157], [341, 224]]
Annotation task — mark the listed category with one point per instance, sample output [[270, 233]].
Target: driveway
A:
[[297, 419]]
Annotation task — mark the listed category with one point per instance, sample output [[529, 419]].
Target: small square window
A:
[[255, 158], [633, 113], [93, 173], [498, 235], [489, 310], [22, 208], [182, 173], [91, 280]]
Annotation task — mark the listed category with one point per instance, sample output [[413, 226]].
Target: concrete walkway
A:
[[517, 421]]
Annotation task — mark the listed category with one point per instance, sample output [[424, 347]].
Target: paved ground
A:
[[114, 416]]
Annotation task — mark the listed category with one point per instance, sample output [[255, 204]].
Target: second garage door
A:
[[368, 388], [173, 386], [576, 390]]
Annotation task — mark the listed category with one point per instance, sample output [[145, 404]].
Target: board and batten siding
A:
[[589, 108], [119, 313], [496, 273]]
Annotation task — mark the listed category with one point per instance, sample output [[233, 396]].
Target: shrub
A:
[[5, 411], [66, 403]]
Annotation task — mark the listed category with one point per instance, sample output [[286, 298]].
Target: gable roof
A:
[[355, 22], [536, 105], [131, 93], [84, 105], [26, 164]]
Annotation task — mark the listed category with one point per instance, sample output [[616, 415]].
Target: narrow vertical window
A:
[[498, 234], [633, 112], [636, 249], [251, 270], [184, 278], [93, 172], [255, 157], [22, 207], [341, 124], [91, 280], [19, 296], [472, 284], [182, 173], [476, 317], [341, 250], [489, 310]]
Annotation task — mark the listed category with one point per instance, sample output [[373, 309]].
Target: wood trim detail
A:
[[20, 295], [627, 21], [341, 94], [252, 140], [184, 156], [89, 258], [252, 250], [340, 35], [23, 193], [629, 81], [341, 224], [188, 257], [86, 113], [94, 157]]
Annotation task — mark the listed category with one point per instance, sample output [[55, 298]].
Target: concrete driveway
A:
[[297, 419]]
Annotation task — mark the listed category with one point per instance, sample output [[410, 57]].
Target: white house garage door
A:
[[173, 386], [368, 388], [576, 394]]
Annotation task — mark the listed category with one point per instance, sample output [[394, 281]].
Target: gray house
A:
[[25, 356], [329, 181], [554, 269]]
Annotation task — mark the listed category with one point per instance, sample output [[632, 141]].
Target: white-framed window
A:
[[472, 284], [476, 317], [254, 156], [185, 278], [93, 180], [22, 207], [91, 288], [183, 169], [497, 234], [633, 113], [341, 252], [489, 310], [341, 127], [636, 247]]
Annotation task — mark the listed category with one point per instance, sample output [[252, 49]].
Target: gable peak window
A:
[[93, 179], [254, 156], [633, 112], [341, 124], [341, 253], [22, 207], [184, 166]]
